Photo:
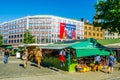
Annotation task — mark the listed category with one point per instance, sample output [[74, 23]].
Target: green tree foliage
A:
[[108, 15], [1, 40], [28, 38]]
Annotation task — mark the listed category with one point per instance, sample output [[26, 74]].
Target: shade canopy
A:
[[58, 46], [9, 47], [90, 48], [90, 52]]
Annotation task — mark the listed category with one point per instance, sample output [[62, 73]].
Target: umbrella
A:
[[9, 47]]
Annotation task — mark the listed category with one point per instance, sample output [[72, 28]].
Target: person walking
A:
[[62, 57], [97, 62], [6, 55], [25, 58], [110, 63], [0, 54], [39, 57], [31, 57]]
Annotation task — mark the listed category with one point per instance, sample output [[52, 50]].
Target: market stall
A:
[[86, 49]]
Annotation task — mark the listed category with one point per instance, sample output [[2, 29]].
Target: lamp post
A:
[[36, 40]]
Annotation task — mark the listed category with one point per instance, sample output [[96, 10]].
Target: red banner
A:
[[62, 29]]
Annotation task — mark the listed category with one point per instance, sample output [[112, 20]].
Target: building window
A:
[[85, 33], [9, 41], [18, 36], [101, 35], [15, 36], [14, 41], [58, 35], [85, 27], [97, 34], [21, 35], [20, 40], [89, 28], [97, 29], [93, 34], [89, 33]]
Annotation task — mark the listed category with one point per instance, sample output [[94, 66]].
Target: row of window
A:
[[17, 26], [44, 20], [16, 41], [39, 19], [38, 24], [40, 30], [17, 31], [93, 34], [16, 22], [16, 36], [92, 28], [107, 34]]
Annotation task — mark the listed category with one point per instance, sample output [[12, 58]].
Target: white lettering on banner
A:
[[70, 26]]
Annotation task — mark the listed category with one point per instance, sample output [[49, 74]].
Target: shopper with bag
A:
[[25, 57]]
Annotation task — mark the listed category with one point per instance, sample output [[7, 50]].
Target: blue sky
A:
[[12, 9]]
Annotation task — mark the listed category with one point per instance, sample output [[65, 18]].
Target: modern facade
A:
[[0, 29], [46, 29], [93, 32]]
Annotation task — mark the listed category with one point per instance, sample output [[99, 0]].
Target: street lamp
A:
[[36, 38]]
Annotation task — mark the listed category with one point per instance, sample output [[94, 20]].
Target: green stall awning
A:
[[9, 47], [90, 48], [90, 52]]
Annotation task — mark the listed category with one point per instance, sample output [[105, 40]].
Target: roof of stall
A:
[[89, 48], [34, 44], [58, 46], [83, 48]]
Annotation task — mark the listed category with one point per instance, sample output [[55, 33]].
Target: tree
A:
[[1, 40], [108, 15], [28, 38]]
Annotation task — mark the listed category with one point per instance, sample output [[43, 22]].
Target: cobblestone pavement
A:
[[14, 71]]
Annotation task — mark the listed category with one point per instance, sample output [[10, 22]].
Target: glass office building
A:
[[45, 28]]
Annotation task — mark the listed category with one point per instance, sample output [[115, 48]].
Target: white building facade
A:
[[112, 35], [0, 29], [46, 29]]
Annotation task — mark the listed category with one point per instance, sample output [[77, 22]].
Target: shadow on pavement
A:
[[52, 68], [104, 71], [21, 65], [33, 65]]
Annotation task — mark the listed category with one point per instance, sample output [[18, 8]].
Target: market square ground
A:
[[14, 71]]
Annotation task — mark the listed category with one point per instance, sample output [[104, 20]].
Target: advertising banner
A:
[[67, 31]]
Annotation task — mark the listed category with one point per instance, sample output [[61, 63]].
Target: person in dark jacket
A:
[[110, 63], [6, 55]]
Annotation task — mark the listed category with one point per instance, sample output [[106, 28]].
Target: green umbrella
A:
[[9, 47]]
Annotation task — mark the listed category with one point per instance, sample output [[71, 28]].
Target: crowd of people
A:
[[95, 64], [98, 63], [33, 55]]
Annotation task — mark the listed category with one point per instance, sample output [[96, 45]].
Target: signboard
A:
[[67, 31]]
